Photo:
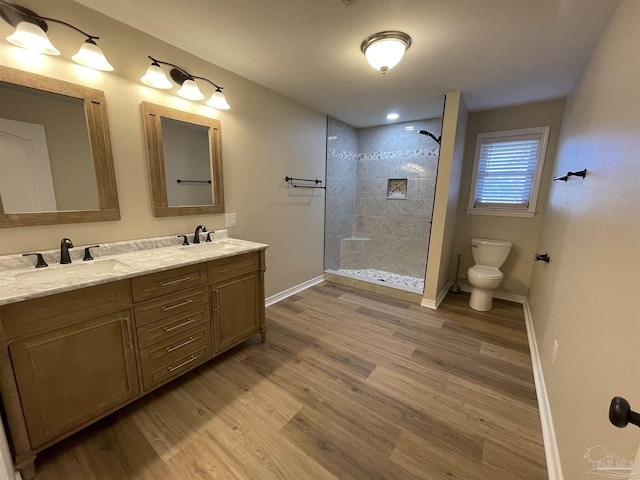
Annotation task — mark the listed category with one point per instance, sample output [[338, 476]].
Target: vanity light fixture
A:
[[384, 50], [156, 78], [30, 34]]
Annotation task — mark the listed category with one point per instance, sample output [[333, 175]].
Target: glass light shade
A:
[[218, 101], [385, 54], [32, 37], [91, 56], [156, 78], [190, 91]]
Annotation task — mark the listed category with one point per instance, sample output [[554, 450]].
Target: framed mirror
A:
[[185, 161], [56, 164]]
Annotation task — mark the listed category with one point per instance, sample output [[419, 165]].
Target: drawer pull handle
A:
[[171, 349], [173, 369], [173, 282], [181, 304], [128, 325], [168, 329]]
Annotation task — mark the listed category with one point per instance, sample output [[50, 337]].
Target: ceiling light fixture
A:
[[393, 116], [30, 34], [156, 78], [384, 50]]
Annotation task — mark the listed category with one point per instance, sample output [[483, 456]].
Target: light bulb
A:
[[385, 54], [156, 78], [190, 91], [32, 37], [91, 56], [218, 101]]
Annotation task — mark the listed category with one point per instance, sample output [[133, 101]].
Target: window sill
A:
[[500, 213]]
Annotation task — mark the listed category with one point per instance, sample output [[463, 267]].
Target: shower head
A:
[[437, 139]]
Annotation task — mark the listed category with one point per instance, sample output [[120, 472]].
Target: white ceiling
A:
[[497, 52]]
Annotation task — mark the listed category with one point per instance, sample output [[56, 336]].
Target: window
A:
[[506, 172]]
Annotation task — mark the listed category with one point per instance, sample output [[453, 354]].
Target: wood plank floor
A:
[[350, 385]]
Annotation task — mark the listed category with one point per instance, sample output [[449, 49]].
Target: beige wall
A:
[[522, 232], [265, 136], [454, 127], [587, 297]]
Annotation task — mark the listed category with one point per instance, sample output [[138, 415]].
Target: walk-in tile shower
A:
[[379, 201]]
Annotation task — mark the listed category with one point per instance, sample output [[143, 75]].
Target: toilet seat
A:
[[483, 271]]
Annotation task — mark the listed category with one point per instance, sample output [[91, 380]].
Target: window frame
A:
[[506, 135]]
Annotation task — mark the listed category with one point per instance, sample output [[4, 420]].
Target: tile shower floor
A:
[[411, 284]]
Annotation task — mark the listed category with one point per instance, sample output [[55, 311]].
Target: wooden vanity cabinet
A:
[[237, 299], [68, 359], [73, 358], [74, 374], [174, 324]]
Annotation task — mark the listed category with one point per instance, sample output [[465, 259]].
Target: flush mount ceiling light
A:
[[30, 34], [385, 49], [156, 78]]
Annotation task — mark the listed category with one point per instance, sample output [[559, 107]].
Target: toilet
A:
[[485, 275]]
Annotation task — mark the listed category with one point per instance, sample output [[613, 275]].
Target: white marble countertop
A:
[[20, 281]]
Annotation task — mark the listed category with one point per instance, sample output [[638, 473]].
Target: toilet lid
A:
[[483, 271]]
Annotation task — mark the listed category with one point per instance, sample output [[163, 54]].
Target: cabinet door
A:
[[235, 310], [69, 376]]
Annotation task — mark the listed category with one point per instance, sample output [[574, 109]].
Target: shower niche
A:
[[379, 203], [397, 188]]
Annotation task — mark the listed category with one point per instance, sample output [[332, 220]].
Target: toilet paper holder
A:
[[541, 257]]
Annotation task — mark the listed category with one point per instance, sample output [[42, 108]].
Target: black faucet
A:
[[65, 245], [196, 235], [40, 263]]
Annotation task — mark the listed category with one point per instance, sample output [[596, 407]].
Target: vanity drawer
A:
[[171, 326], [40, 314], [170, 305], [176, 355], [162, 283], [235, 266]]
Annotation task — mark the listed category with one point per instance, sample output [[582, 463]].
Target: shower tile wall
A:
[[342, 145], [398, 229]]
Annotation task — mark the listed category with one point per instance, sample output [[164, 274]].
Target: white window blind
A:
[[507, 172]]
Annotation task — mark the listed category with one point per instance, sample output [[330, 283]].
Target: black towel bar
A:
[[291, 180], [193, 181]]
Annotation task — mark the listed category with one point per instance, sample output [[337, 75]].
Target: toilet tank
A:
[[491, 253]]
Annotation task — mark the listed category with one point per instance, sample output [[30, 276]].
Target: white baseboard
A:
[[554, 468], [293, 290], [510, 297], [434, 305]]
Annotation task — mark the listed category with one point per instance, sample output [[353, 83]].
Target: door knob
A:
[[621, 415]]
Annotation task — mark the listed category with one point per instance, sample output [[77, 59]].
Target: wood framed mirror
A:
[[56, 164], [185, 161]]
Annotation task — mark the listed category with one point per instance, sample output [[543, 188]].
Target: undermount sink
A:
[[211, 247], [65, 272]]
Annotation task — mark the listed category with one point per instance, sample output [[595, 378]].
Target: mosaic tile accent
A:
[[399, 154], [388, 278], [341, 154]]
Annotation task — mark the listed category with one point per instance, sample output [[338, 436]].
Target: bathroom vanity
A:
[[77, 348]]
